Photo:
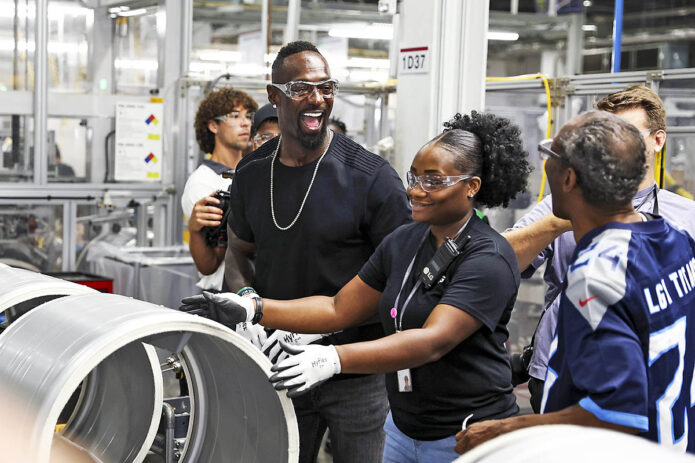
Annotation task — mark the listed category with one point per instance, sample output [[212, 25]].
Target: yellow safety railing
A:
[[549, 130]]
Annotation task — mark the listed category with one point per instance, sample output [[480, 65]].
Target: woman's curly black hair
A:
[[490, 147]]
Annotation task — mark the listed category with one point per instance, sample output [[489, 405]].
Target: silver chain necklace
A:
[[272, 163]]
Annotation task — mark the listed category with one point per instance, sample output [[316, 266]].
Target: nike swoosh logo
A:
[[585, 301]]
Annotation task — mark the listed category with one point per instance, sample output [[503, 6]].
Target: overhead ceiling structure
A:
[[647, 24], [517, 27]]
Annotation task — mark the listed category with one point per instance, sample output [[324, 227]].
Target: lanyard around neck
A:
[[398, 317]]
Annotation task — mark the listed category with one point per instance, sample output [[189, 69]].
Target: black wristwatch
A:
[[258, 314]]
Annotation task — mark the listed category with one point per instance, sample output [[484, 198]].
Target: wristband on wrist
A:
[[258, 314], [246, 291]]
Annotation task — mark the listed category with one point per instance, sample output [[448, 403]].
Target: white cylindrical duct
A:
[[561, 443], [18, 286], [44, 355]]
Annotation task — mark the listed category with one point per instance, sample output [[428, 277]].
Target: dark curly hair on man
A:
[[489, 147], [218, 103], [607, 154], [290, 49]]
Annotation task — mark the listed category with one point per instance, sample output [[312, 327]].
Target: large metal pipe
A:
[[97, 409], [22, 290], [235, 412]]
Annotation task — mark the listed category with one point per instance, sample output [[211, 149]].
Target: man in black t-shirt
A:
[[312, 206]]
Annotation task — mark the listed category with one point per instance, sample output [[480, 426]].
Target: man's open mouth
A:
[[312, 120]]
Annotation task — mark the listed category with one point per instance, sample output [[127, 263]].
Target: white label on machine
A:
[[414, 60], [138, 155]]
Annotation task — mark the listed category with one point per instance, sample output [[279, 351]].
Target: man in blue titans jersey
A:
[[624, 350]]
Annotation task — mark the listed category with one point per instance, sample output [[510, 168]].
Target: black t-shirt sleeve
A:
[[387, 204], [374, 272], [483, 286], [237, 216]]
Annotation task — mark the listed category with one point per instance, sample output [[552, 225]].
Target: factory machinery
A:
[[93, 377]]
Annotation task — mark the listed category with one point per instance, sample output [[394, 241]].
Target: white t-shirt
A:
[[205, 180]]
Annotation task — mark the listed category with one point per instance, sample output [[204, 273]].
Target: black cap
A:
[[263, 113]]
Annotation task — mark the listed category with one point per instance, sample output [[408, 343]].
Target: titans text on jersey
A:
[[624, 349]]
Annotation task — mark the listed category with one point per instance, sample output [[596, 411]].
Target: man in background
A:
[[540, 236], [222, 129], [623, 354], [265, 125]]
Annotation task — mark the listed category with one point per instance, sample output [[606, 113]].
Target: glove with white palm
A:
[[273, 350], [254, 333], [306, 368]]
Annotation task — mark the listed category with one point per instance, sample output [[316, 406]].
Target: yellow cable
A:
[[657, 168], [549, 130]]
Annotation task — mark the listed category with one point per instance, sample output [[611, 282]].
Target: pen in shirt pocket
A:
[[465, 422]]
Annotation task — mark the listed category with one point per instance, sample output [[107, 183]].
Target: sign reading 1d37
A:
[[414, 60]]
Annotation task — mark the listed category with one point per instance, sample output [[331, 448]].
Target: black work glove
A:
[[228, 309]]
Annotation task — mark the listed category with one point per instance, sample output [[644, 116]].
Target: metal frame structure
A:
[[174, 38], [174, 83], [590, 84]]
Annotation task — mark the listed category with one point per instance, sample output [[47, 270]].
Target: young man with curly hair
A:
[[222, 129], [539, 236]]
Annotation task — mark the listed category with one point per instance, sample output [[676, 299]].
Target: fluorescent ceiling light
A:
[[138, 12], [139, 64], [502, 35], [118, 9], [55, 9], [589, 28], [218, 55], [363, 31]]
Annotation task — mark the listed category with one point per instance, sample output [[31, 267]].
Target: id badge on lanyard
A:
[[405, 383], [405, 379]]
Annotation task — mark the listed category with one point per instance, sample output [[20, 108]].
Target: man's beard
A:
[[312, 142]]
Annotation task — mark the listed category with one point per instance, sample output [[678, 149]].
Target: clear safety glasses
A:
[[431, 182], [236, 116], [300, 89], [545, 152]]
